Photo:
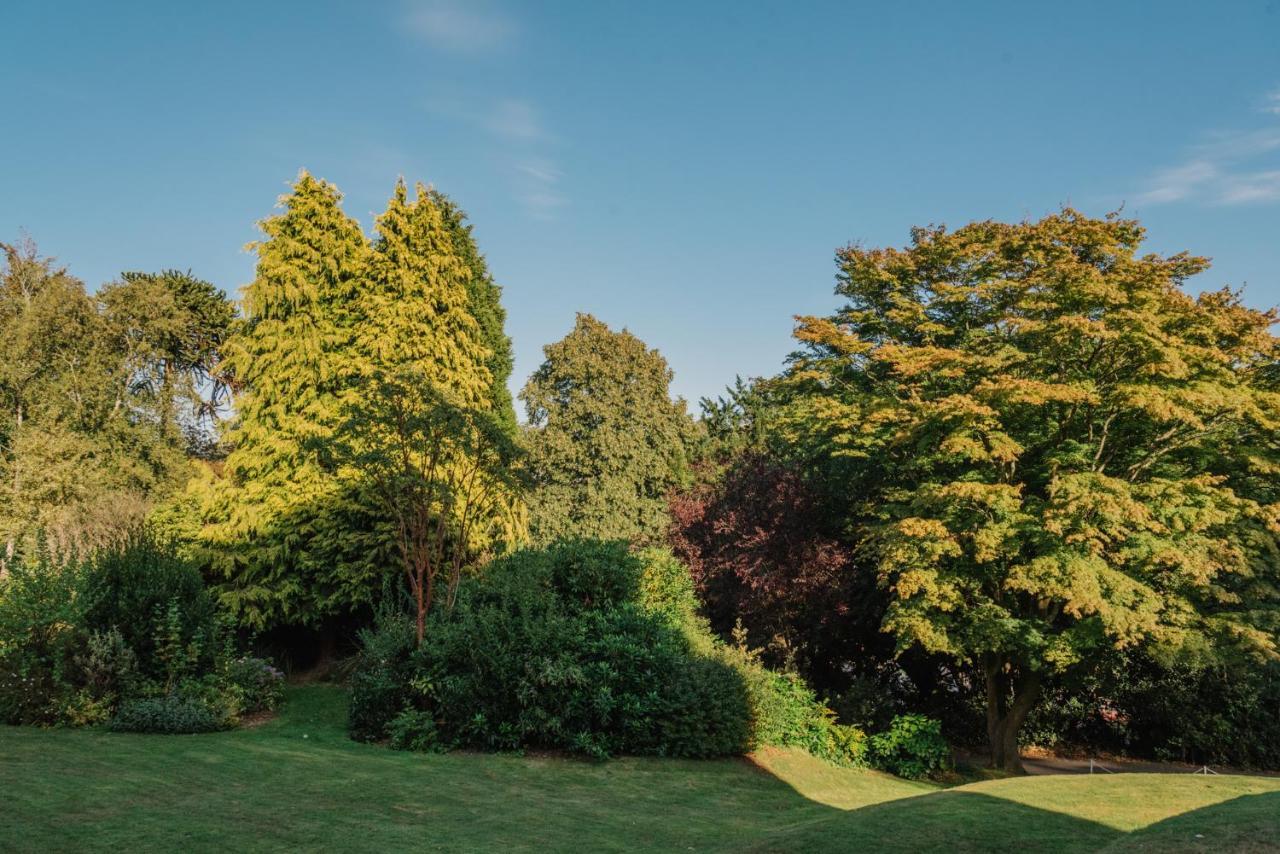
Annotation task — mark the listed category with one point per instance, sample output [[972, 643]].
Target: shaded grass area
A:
[[297, 782]]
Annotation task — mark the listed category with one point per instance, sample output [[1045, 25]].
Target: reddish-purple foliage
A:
[[755, 544]]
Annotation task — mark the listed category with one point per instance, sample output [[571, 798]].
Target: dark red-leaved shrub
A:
[[759, 546]]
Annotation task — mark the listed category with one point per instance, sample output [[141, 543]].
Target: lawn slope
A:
[[297, 782]]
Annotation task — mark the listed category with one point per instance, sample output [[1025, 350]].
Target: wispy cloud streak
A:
[[463, 27], [1228, 168]]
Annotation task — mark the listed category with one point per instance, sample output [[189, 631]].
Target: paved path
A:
[[1037, 765]]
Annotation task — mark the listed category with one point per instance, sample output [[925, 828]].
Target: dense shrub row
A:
[[128, 637], [586, 647]]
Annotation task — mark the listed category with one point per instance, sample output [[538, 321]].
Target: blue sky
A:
[[682, 169]]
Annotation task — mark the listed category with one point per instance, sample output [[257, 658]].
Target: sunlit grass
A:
[[299, 783]]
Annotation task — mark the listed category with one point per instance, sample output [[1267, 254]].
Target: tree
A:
[[416, 321], [288, 360], [443, 474], [175, 325], [95, 406], [331, 322], [606, 442], [1049, 449], [759, 546], [484, 300]]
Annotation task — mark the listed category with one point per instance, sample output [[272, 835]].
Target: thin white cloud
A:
[[516, 120], [1255, 187], [1272, 104], [464, 27], [537, 188], [1228, 168], [1178, 183]]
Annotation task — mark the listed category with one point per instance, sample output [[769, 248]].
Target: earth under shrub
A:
[[587, 647]]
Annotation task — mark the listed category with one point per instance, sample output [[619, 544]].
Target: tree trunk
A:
[[420, 601], [1005, 716]]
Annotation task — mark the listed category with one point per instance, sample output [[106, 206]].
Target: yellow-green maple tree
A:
[[1049, 446]]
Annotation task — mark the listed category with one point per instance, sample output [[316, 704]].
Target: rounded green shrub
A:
[[130, 587], [912, 747], [551, 648], [588, 647], [171, 714]]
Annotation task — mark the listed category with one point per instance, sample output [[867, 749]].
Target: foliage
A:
[[180, 323], [380, 683], [586, 647], [757, 541], [913, 747], [99, 396], [783, 709], [170, 714], [258, 684], [273, 521], [1142, 703], [549, 648], [131, 587], [342, 334], [413, 730], [39, 641], [88, 640], [606, 442], [484, 303], [1048, 448], [441, 473]]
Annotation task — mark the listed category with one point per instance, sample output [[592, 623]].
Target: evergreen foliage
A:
[[276, 531], [606, 442], [484, 299], [339, 336], [587, 647]]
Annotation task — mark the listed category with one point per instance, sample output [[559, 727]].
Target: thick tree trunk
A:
[[1004, 714]]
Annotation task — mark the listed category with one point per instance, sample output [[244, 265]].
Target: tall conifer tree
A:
[[484, 297], [606, 442], [417, 328], [288, 359], [415, 309]]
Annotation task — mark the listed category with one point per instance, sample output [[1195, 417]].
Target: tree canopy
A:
[[1049, 448], [606, 441], [102, 394], [333, 320], [288, 360]]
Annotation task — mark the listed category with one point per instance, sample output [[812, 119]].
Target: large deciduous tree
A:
[[606, 441], [1050, 448], [98, 398]]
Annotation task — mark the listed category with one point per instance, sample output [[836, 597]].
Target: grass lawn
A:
[[298, 783]]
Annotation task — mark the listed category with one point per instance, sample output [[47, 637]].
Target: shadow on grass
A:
[[951, 820], [963, 820], [298, 783], [1244, 823]]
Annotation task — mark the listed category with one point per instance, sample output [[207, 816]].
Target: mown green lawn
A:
[[298, 783]]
